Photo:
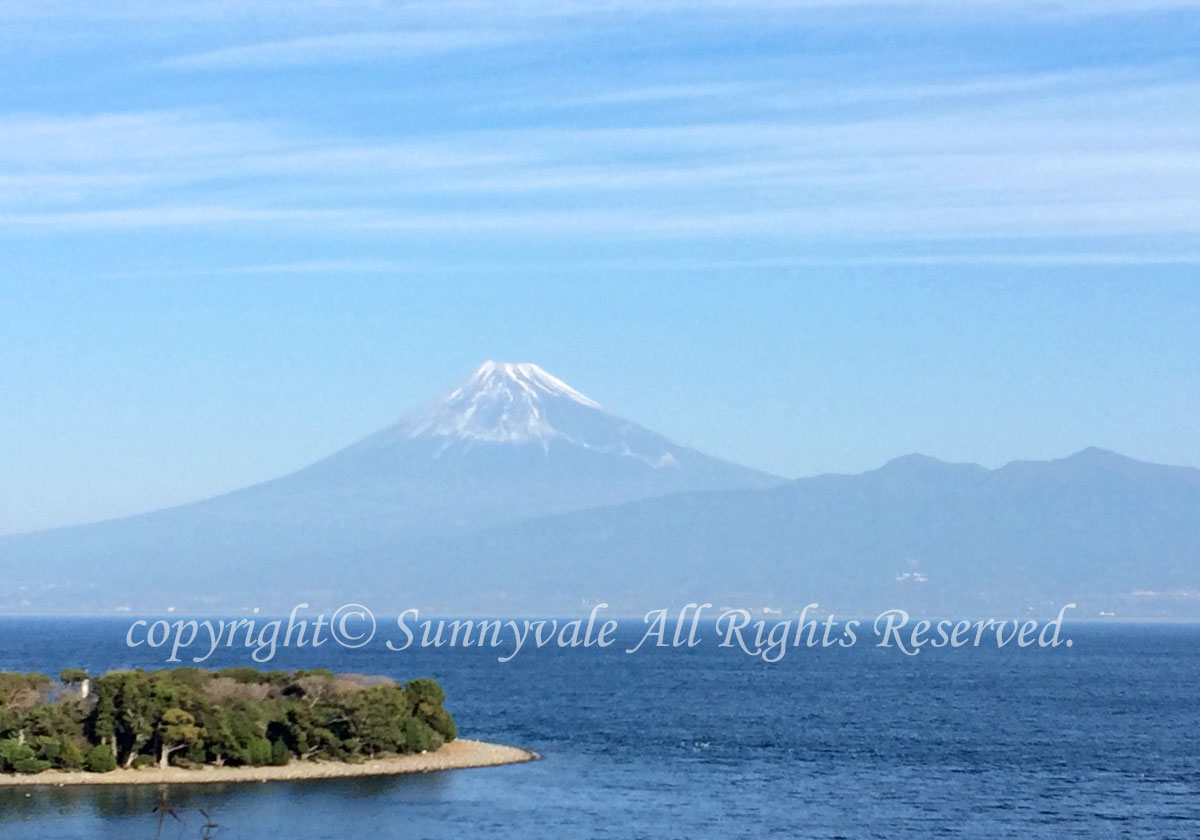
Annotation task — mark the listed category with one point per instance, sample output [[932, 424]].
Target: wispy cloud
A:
[[347, 48], [863, 221], [645, 94], [425, 268], [1051, 155]]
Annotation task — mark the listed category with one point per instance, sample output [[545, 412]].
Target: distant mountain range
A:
[[1107, 532], [514, 493]]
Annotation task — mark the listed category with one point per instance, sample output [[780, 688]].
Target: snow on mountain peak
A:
[[493, 377], [501, 402]]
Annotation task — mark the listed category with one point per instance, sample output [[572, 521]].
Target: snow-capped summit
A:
[[509, 404], [500, 402], [499, 376], [510, 441]]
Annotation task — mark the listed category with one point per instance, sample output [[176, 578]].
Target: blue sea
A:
[[1098, 740]]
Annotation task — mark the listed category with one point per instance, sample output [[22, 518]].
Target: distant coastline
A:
[[457, 755]]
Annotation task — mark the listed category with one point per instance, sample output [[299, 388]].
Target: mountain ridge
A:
[[510, 441], [513, 492], [942, 542]]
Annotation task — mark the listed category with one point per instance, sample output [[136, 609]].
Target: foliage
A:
[[426, 691], [58, 751], [258, 752], [237, 716], [99, 759], [420, 736], [19, 692], [241, 674], [16, 757], [176, 731], [441, 722]]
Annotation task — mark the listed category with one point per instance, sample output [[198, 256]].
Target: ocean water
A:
[[1098, 740]]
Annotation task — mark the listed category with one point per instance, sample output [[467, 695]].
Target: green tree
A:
[[308, 736], [99, 759], [427, 691], [441, 722], [16, 757], [63, 752], [258, 752], [240, 716], [379, 715], [177, 730], [228, 731], [103, 722], [132, 704], [421, 737]]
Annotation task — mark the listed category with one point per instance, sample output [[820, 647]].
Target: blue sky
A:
[[809, 236]]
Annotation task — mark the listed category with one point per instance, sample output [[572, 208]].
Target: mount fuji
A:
[[514, 494], [507, 443], [510, 441]]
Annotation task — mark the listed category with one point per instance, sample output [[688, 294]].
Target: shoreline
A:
[[459, 754]]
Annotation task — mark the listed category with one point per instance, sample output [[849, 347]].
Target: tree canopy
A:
[[189, 717]]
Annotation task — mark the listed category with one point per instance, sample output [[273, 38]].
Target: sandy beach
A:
[[458, 754]]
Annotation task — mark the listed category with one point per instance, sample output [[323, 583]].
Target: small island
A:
[[188, 725]]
